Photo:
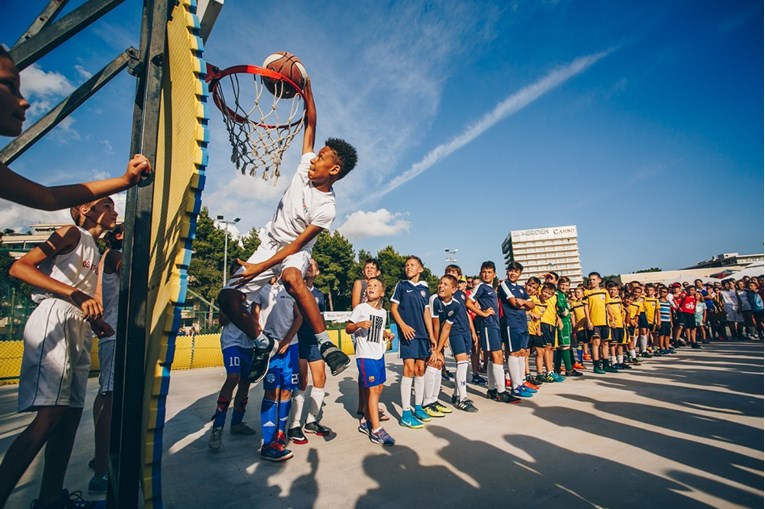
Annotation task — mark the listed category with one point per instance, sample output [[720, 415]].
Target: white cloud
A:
[[375, 223], [84, 73], [509, 106]]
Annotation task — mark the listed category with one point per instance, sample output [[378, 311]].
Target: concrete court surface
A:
[[678, 431]]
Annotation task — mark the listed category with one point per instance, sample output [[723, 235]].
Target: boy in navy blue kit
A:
[[483, 302], [409, 308], [515, 328]]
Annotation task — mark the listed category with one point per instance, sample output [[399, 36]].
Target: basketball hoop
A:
[[260, 124]]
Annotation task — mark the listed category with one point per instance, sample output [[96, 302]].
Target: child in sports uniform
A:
[[309, 358], [665, 323], [109, 290], [651, 306], [282, 378], [409, 308], [57, 340], [14, 187], [462, 341], [532, 319], [549, 324], [579, 324], [515, 328], [483, 302], [615, 317], [444, 311], [595, 311], [564, 349], [367, 326], [306, 209]]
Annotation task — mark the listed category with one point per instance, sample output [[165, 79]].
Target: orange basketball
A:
[[287, 65]]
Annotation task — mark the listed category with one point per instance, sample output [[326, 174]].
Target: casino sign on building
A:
[[541, 250]]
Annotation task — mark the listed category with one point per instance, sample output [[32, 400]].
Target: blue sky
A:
[[639, 122]]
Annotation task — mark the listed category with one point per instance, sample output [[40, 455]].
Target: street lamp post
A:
[[450, 255], [225, 224]]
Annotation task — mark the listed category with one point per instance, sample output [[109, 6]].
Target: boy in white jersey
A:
[[306, 209], [57, 338], [282, 376], [367, 325], [109, 290]]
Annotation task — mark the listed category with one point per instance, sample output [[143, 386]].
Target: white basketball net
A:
[[260, 125]]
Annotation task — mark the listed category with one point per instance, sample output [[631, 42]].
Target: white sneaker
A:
[[216, 438]]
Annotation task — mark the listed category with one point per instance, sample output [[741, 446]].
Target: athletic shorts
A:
[[417, 348], [56, 361], [267, 248], [565, 334], [518, 339], [651, 327], [598, 332], [581, 338], [665, 329], [730, 313], [617, 335], [371, 372], [460, 343], [490, 338], [237, 360], [536, 341], [548, 334], [642, 321], [630, 331], [687, 320], [283, 371], [106, 363], [308, 348]]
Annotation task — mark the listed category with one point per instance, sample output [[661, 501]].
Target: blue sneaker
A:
[[518, 393], [275, 451], [528, 389], [408, 421], [525, 390], [381, 437], [420, 414], [557, 377]]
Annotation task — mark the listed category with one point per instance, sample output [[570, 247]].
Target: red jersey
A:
[[686, 303]]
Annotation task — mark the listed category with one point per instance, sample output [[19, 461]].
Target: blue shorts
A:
[[491, 339], [581, 338], [371, 372], [237, 360], [665, 329], [536, 341], [617, 335], [600, 332], [517, 339], [283, 371], [461, 343], [417, 348], [643, 321], [308, 348]]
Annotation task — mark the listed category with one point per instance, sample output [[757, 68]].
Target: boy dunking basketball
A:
[[306, 209], [57, 339]]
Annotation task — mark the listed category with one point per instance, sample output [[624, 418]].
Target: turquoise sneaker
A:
[[409, 421], [421, 414]]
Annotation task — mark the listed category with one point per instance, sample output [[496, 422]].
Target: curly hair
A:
[[345, 154]]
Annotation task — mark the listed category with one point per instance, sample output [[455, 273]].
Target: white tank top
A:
[[110, 294], [78, 268]]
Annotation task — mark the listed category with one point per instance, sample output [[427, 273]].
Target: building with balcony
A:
[[541, 250]]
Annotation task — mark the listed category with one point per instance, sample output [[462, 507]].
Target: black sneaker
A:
[[296, 435], [445, 375], [335, 358], [573, 372], [72, 500], [695, 346], [317, 429], [492, 394], [466, 405], [478, 380], [506, 397], [260, 359]]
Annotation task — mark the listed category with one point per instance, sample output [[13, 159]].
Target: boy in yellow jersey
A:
[[633, 309], [544, 320], [651, 307], [597, 323], [532, 289], [615, 314], [578, 326]]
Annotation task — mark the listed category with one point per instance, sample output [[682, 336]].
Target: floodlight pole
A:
[[225, 224]]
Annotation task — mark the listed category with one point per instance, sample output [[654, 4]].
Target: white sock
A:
[[499, 376], [490, 374], [317, 398], [620, 359], [322, 338], [515, 366], [298, 400], [419, 390], [633, 354], [643, 343], [406, 393], [430, 381], [460, 383], [436, 388]]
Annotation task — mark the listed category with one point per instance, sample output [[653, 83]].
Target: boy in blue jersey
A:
[[483, 302], [409, 308], [282, 377], [450, 324], [309, 358], [515, 329], [463, 340]]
